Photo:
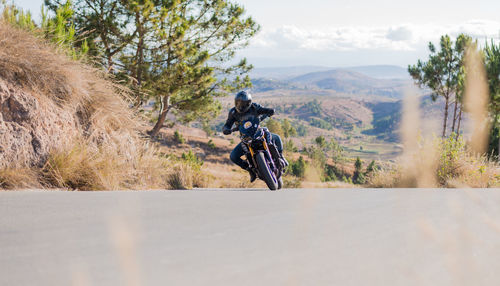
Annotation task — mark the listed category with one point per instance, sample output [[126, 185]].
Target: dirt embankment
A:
[[66, 122], [31, 128]]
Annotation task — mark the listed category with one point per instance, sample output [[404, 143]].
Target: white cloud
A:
[[407, 37]]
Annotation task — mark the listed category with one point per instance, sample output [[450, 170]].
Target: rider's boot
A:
[[253, 176]]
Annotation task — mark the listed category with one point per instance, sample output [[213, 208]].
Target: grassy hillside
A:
[[71, 125]]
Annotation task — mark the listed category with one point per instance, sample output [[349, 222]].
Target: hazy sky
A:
[[362, 32], [356, 32]]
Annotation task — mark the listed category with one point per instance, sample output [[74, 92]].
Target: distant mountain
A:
[[265, 84], [350, 82], [283, 73], [382, 71], [335, 79], [375, 71]]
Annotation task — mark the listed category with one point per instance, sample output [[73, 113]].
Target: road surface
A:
[[250, 237]]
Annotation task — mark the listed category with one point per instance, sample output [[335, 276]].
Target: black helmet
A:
[[242, 101]]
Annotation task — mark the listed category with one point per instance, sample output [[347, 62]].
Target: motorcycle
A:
[[261, 153]]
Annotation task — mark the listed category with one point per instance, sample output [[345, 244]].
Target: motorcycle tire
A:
[[266, 173]]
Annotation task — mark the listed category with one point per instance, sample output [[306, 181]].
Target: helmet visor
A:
[[242, 105]]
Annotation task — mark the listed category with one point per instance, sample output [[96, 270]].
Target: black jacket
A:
[[238, 118]]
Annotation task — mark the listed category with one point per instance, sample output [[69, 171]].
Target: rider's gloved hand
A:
[[226, 131]]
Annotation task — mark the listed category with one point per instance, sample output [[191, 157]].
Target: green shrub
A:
[[289, 146], [186, 173], [301, 130], [207, 129], [330, 173], [179, 138], [320, 141], [298, 168], [451, 150], [320, 123], [371, 168], [191, 159], [211, 144], [358, 177]]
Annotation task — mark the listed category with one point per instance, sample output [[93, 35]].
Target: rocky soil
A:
[[30, 127]]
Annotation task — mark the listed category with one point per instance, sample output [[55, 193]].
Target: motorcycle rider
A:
[[242, 110]]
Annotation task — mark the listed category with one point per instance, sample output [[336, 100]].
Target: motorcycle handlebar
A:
[[261, 118]]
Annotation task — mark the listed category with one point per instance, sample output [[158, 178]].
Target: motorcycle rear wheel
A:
[[266, 173]]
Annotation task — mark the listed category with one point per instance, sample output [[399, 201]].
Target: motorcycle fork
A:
[[269, 157], [252, 157]]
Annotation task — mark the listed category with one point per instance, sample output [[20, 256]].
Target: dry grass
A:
[[84, 167], [456, 166], [476, 99], [445, 162], [109, 153], [19, 178]]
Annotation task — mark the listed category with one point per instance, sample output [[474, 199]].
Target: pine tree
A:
[[358, 176], [492, 61], [320, 141], [178, 52], [195, 40], [443, 73], [105, 24]]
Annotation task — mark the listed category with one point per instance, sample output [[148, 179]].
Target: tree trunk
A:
[[139, 56], [110, 62], [445, 115], [163, 115], [459, 120], [454, 114]]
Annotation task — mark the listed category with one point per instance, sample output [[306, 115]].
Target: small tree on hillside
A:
[[358, 177], [371, 168], [288, 129], [275, 127], [298, 168], [320, 141], [336, 150]]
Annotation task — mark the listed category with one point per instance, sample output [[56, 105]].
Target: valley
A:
[[358, 107]]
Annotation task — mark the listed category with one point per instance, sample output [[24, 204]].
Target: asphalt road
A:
[[250, 237]]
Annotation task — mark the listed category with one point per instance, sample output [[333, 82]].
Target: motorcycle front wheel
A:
[[266, 173]]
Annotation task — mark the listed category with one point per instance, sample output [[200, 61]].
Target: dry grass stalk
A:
[[418, 160], [19, 178], [476, 99], [457, 166]]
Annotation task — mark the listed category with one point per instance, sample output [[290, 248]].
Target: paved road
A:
[[251, 237]]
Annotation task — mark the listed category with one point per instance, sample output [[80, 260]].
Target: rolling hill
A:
[[374, 71], [339, 80]]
